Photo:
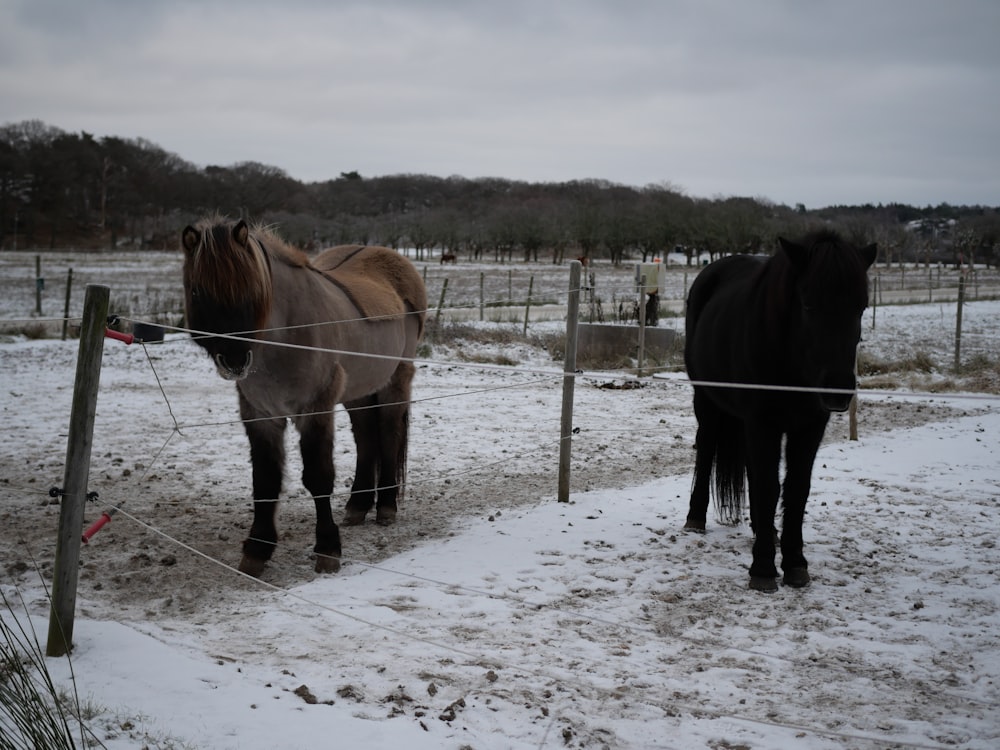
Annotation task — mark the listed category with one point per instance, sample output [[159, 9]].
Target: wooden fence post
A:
[[641, 354], [527, 304], [39, 285], [958, 323], [437, 317], [853, 409], [874, 301], [591, 295], [77, 472], [69, 290], [569, 380]]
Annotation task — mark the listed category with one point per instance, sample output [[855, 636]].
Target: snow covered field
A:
[[491, 616]]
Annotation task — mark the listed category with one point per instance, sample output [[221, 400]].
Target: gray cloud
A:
[[798, 102]]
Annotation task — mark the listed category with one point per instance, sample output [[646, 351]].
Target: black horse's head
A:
[[830, 294], [227, 291]]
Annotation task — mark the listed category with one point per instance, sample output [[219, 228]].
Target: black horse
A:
[[792, 321]]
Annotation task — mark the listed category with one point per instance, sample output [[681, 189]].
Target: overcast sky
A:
[[796, 101]]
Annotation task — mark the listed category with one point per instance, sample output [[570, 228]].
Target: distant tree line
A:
[[60, 190]]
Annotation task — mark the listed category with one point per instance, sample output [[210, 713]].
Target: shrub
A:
[[33, 714]]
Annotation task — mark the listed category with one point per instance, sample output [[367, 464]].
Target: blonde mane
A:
[[232, 263]]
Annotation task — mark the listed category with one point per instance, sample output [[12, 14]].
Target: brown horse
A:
[[299, 337]]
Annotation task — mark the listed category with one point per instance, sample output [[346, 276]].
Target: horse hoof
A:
[[796, 577], [354, 517], [385, 516], [765, 585], [327, 563], [252, 566], [698, 526]]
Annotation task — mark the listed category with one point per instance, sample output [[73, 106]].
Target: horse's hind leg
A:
[[706, 440], [267, 456], [364, 425], [381, 424], [393, 428]]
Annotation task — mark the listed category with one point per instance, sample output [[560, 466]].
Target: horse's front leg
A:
[[267, 456], [800, 453], [763, 456], [316, 444]]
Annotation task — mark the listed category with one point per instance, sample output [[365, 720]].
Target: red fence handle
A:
[[96, 526], [128, 338]]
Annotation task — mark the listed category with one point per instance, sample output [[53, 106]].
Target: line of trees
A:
[[60, 189]]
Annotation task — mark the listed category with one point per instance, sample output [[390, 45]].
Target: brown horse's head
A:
[[227, 291]]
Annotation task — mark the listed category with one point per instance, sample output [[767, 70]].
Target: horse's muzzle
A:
[[230, 372], [837, 402]]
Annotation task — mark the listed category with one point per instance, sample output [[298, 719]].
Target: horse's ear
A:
[[869, 253], [241, 233], [190, 238], [796, 253]]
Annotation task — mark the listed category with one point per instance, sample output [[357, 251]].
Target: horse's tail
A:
[[730, 470]]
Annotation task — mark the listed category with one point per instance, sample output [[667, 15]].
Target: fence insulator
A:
[[99, 524], [128, 338]]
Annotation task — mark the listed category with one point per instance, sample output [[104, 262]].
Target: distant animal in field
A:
[[298, 337], [789, 321], [448, 258]]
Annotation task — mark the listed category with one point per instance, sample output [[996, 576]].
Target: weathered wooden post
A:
[[874, 300], [592, 295], [569, 380], [642, 325], [481, 276], [527, 304], [853, 410], [958, 323], [69, 288], [77, 472], [437, 317], [39, 285]]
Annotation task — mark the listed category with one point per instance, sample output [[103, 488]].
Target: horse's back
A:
[[380, 281], [719, 284]]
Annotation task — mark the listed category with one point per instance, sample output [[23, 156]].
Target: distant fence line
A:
[[498, 293]]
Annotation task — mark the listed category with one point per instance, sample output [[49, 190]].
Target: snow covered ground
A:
[[492, 616]]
